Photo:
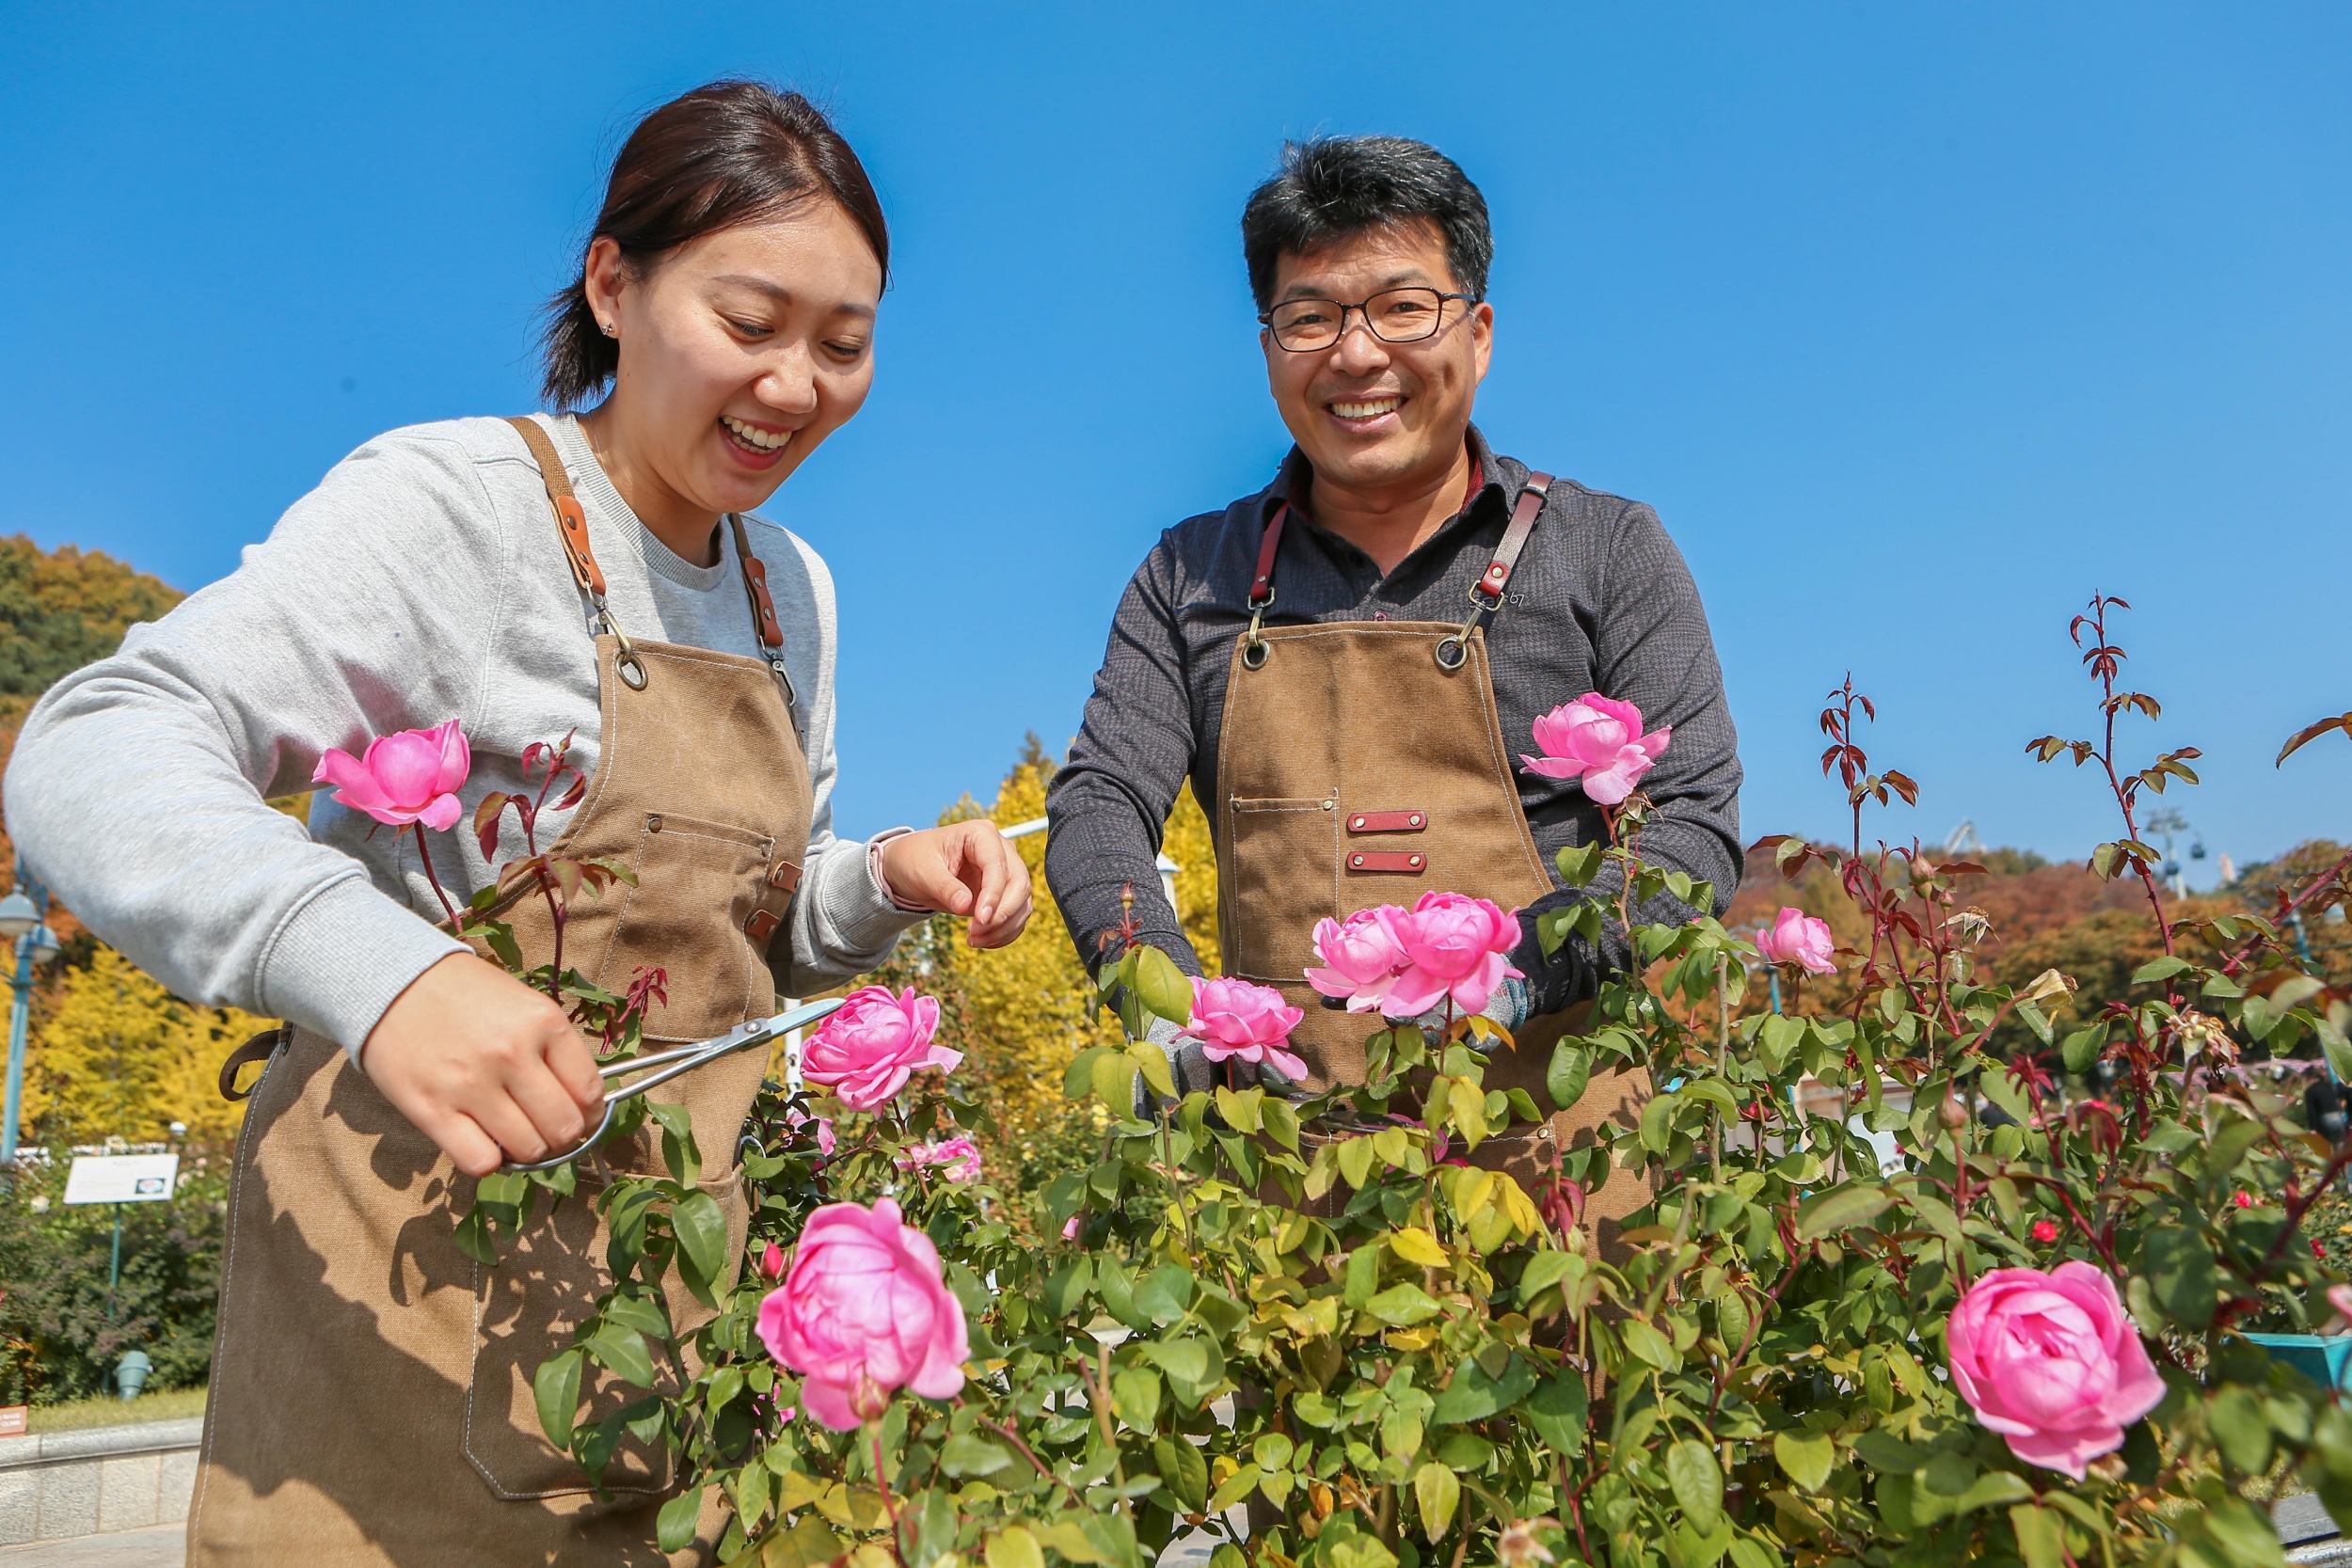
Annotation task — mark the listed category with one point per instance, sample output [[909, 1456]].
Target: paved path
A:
[[163, 1546]]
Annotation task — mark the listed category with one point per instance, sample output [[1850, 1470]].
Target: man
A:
[[1348, 664]]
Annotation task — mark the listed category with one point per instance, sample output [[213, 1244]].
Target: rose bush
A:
[[2012, 1331]]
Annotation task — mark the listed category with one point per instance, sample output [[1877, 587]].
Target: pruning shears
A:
[[663, 1066]]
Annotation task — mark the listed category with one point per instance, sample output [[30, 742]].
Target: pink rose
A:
[[1455, 946], [2051, 1362], [1233, 1018], [1600, 740], [1070, 1227], [864, 1312], [771, 1262], [1361, 959], [958, 1158], [1797, 937], [798, 1118], [866, 1053], [410, 777]]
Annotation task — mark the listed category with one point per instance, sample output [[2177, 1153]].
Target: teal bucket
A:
[[2324, 1358]]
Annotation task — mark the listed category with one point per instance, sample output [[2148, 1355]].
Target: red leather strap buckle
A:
[[1386, 821], [1408, 860], [572, 521], [762, 925], [784, 874]]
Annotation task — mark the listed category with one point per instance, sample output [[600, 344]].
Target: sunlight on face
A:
[[1368, 413], [740, 352]]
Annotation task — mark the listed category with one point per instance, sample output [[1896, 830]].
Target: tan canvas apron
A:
[[371, 1397], [1360, 763]]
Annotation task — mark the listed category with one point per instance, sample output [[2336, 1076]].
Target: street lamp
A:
[[24, 917]]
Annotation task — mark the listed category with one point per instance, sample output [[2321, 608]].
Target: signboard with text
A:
[[122, 1178]]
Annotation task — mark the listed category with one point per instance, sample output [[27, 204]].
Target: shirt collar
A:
[[1290, 477]]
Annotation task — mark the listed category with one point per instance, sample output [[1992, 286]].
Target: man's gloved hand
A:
[[1193, 1073], [1507, 1004]]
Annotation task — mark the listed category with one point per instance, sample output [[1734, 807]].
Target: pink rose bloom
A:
[[1455, 946], [2051, 1362], [1233, 1018], [866, 1053], [1070, 1227], [1599, 739], [1361, 957], [1797, 937], [771, 1262], [797, 1118], [864, 1312], [958, 1158], [410, 777]]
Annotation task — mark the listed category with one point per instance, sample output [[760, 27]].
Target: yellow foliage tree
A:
[[118, 1056], [1020, 1013]]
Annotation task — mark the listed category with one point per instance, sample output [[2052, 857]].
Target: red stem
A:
[[424, 853]]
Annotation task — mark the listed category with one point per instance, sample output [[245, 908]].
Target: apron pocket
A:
[[526, 1310], [1285, 877], [682, 862]]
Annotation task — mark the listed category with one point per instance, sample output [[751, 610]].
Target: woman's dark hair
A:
[[1334, 186], [728, 153]]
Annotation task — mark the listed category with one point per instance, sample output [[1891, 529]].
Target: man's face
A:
[[1368, 413]]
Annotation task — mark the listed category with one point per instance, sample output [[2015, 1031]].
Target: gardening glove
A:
[[1509, 1005]]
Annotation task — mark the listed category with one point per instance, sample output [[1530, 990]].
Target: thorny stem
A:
[[1030, 1454], [424, 853], [2106, 667], [1722, 1057], [882, 1481]]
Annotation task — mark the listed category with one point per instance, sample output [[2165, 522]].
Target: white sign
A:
[[122, 1178]]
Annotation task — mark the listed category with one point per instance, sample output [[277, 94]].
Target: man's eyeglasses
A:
[[1393, 315]]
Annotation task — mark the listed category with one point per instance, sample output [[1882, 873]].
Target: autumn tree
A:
[[118, 1056]]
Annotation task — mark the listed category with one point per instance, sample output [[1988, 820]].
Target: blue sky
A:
[[1917, 323]]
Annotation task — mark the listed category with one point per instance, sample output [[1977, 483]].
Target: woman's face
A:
[[740, 352]]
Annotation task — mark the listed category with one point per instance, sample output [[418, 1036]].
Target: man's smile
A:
[[1365, 413]]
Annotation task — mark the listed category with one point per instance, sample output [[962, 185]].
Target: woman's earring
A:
[[610, 330]]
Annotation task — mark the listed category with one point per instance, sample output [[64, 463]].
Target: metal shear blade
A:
[[663, 1066]]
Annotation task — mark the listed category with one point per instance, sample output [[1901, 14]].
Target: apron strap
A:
[[261, 1048], [764, 611], [1253, 647], [1486, 594], [571, 523]]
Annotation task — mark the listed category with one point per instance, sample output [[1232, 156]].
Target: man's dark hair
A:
[[1334, 186]]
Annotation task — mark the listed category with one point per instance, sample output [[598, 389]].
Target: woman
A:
[[596, 576]]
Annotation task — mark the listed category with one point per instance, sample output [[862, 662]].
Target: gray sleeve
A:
[[1110, 801], [842, 924], [137, 789]]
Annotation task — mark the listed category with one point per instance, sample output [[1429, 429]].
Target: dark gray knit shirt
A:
[[1601, 601]]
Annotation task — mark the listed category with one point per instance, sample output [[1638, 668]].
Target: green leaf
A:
[[1136, 1393], [1991, 1488], [1402, 1306], [970, 1454], [2041, 1536], [1164, 1294], [1185, 1472], [2083, 1047], [1436, 1494], [2159, 968], [701, 1228], [673, 1527], [1840, 1209], [2241, 1429], [1806, 1456], [1473, 1396], [1698, 1484], [1571, 1070], [1237, 1486], [1543, 1270], [1078, 1079], [1647, 1343], [1185, 1360], [1362, 1278], [1066, 1287], [1580, 864], [1748, 1552], [2178, 1266], [678, 1151], [1163, 987], [808, 1545], [473, 1236], [2000, 1088], [1557, 1411], [1355, 1157], [1658, 1123], [623, 1352], [555, 1389], [1151, 1062], [1014, 1547]]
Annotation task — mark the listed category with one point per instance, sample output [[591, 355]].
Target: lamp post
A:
[[24, 924]]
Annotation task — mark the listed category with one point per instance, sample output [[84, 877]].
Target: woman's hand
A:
[[484, 1066], [963, 868]]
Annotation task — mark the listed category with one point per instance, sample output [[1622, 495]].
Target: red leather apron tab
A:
[[784, 877], [1408, 860], [762, 925], [1386, 821]]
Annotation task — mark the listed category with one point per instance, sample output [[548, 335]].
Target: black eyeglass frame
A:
[[1362, 307]]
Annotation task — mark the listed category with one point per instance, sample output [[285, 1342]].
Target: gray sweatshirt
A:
[[422, 580]]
